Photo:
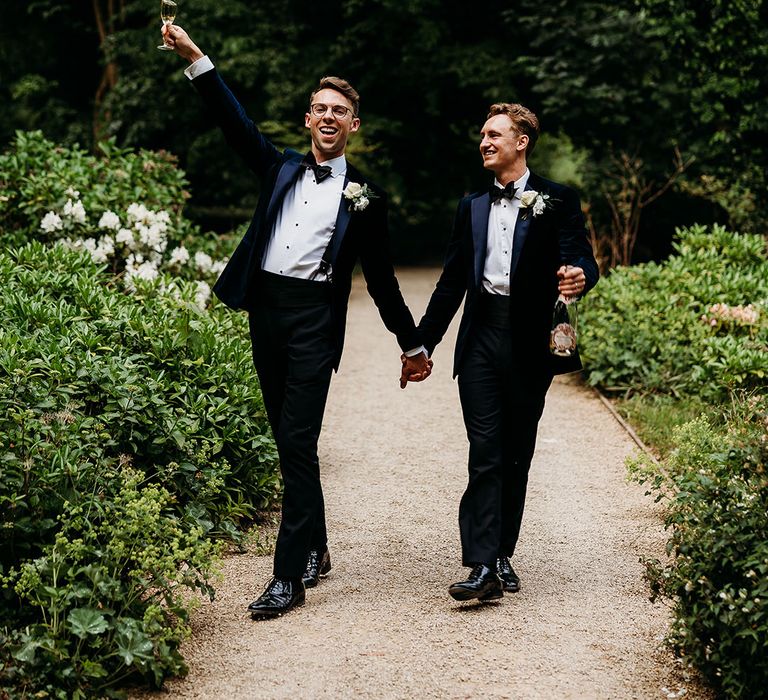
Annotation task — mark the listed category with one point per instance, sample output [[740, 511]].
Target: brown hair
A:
[[523, 121], [332, 82]]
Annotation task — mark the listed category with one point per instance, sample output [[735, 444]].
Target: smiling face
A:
[[330, 132], [503, 148]]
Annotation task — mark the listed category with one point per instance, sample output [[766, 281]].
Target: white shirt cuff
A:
[[200, 66], [416, 351]]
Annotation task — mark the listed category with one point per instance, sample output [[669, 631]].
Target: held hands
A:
[[572, 281], [415, 369], [175, 37]]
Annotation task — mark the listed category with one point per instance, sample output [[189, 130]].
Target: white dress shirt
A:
[[501, 236], [305, 224], [306, 220]]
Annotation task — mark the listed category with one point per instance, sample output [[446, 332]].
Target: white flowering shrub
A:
[[134, 245], [124, 209]]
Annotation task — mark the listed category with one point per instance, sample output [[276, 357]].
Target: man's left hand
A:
[[572, 281], [415, 369]]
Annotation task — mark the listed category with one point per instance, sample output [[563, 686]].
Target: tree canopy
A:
[[665, 97]]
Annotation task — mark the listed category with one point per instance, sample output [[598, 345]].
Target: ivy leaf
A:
[[85, 621]]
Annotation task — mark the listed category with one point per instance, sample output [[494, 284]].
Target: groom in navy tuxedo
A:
[[513, 249], [292, 272]]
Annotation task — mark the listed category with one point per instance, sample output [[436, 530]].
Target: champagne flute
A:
[[168, 14]]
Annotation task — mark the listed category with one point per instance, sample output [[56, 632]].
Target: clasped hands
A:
[[415, 369]]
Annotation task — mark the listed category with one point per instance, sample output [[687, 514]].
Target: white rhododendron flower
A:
[[72, 193], [202, 294], [162, 217], [109, 220], [125, 236], [152, 237], [179, 256], [51, 222], [75, 211], [203, 261], [218, 267], [138, 213]]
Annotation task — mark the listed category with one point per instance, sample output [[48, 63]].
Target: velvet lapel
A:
[[481, 208], [522, 228], [343, 217]]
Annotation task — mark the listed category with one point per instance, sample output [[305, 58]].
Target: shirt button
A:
[[306, 202], [297, 224], [287, 247]]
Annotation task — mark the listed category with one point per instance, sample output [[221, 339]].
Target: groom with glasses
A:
[[292, 272]]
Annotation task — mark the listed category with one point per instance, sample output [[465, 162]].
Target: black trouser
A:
[[293, 350], [502, 400]]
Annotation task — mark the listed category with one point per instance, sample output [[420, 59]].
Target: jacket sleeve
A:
[[240, 132], [376, 262], [451, 286], [573, 239]]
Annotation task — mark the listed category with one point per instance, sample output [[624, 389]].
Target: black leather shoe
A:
[[509, 579], [483, 584], [318, 566], [280, 595]]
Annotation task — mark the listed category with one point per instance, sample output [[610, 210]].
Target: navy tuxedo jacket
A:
[[363, 234], [541, 244]]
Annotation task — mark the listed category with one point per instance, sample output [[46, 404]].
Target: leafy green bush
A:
[[132, 426], [715, 487], [106, 599], [89, 372], [37, 176], [124, 208], [688, 336], [696, 324]]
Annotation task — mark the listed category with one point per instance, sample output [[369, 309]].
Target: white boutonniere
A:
[[359, 196], [534, 202]]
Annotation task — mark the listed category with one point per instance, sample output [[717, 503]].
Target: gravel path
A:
[[382, 625]]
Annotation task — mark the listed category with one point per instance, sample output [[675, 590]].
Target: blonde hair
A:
[[523, 121], [332, 82]]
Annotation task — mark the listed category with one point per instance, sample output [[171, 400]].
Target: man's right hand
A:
[[179, 40], [415, 369]]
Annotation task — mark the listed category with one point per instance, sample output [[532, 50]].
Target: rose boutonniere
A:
[[534, 203], [359, 196]]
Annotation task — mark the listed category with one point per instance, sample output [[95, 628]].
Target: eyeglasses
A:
[[339, 111]]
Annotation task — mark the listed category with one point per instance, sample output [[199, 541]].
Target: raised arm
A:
[[241, 133]]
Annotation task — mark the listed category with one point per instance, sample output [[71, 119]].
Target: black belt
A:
[[494, 310], [281, 291]]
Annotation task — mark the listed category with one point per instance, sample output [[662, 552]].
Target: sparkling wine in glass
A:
[[168, 14]]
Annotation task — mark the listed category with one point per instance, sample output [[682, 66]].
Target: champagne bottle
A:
[[562, 336]]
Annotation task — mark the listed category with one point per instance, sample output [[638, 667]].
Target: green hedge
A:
[[684, 326], [133, 431], [687, 336]]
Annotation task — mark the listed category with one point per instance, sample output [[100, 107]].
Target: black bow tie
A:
[[321, 171], [496, 192]]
